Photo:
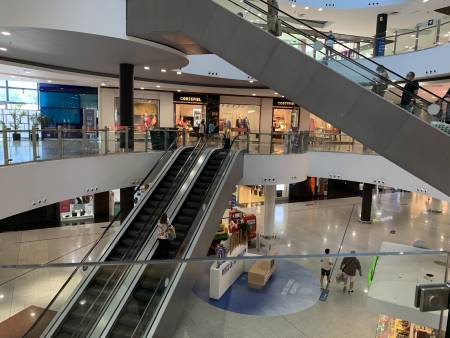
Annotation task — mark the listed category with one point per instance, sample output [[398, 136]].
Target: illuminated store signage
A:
[[190, 98], [281, 102]]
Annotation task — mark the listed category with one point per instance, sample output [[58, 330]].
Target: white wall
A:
[[279, 169], [54, 181], [368, 169], [106, 105]]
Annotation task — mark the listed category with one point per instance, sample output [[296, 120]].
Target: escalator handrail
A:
[[135, 246], [86, 256], [191, 231], [347, 48]]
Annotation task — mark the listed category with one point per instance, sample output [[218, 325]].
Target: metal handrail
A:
[[86, 256], [341, 44]]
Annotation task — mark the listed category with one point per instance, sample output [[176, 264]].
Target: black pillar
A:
[[44, 217], [366, 207], [380, 35], [126, 105], [101, 207], [212, 111], [126, 201]]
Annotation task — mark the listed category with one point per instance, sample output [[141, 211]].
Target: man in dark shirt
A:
[[411, 88]]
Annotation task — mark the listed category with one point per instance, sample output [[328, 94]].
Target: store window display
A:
[[190, 110], [239, 117], [285, 116], [78, 208], [323, 131], [146, 113]]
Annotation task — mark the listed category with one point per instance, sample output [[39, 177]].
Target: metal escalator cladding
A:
[[89, 304], [150, 288]]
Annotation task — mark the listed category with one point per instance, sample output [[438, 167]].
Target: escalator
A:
[[149, 289], [86, 305], [336, 88]]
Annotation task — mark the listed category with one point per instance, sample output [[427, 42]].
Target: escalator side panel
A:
[[177, 296], [377, 123]]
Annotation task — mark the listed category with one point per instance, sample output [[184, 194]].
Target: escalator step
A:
[[121, 332], [142, 295], [129, 320], [181, 227], [202, 185], [193, 205], [197, 191], [185, 219], [72, 326], [188, 212], [195, 198]]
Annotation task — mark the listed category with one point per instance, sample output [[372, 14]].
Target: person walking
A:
[[349, 266], [381, 81], [211, 128], [325, 269], [201, 129], [165, 231], [444, 103], [329, 43], [273, 22], [409, 91]]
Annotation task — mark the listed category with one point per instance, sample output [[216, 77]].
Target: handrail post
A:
[[438, 31], [248, 142], [106, 140], [416, 43], [127, 141], [60, 142], [184, 135], [83, 139], [34, 142], [394, 50], [146, 140], [5, 145]]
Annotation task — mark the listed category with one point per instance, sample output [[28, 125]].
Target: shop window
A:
[[285, 119], [22, 84], [146, 113], [240, 116], [22, 95], [189, 116]]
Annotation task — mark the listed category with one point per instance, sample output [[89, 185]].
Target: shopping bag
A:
[[172, 233]]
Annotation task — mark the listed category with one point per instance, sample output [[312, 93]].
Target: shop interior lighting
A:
[[5, 33], [3, 49], [147, 68], [163, 70]]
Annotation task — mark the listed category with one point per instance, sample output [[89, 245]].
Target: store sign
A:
[[281, 102], [190, 98]]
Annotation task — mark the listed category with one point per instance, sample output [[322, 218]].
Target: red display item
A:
[[250, 219]]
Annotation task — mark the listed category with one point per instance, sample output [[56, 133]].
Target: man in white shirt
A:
[[325, 271]]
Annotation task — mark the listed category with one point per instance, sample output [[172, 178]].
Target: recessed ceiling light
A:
[[293, 5], [6, 33], [425, 1], [147, 68], [320, 9], [49, 81], [163, 70], [32, 314], [178, 90], [103, 84], [254, 94], [251, 81], [179, 72], [3, 49], [13, 76], [275, 93], [2, 296], [158, 86], [142, 88], [27, 72], [306, 7]]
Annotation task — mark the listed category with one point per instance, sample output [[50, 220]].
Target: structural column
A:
[[366, 208], [380, 35], [126, 113], [101, 207], [269, 210]]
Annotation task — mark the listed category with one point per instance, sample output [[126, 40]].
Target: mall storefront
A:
[[146, 113], [285, 115], [241, 114], [190, 110]]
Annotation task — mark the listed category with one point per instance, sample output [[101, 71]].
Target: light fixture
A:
[[163, 70], [179, 90], [275, 93], [158, 86], [2, 296], [3, 49], [13, 76], [49, 81], [306, 7], [142, 88], [32, 314], [320, 9], [147, 68], [251, 81], [103, 84], [425, 1], [293, 5], [83, 301], [27, 72], [254, 94], [5, 33], [179, 72]]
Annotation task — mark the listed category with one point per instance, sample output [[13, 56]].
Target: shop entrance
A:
[[190, 110], [240, 117], [285, 116]]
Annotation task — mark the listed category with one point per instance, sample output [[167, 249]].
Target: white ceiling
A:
[[356, 17]]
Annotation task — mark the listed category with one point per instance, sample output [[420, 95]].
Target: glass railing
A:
[[253, 294], [338, 57], [19, 146]]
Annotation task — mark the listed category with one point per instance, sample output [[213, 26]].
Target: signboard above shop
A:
[[190, 98], [281, 102]]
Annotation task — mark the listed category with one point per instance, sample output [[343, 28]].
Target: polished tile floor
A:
[[20, 288], [302, 228], [305, 228]]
